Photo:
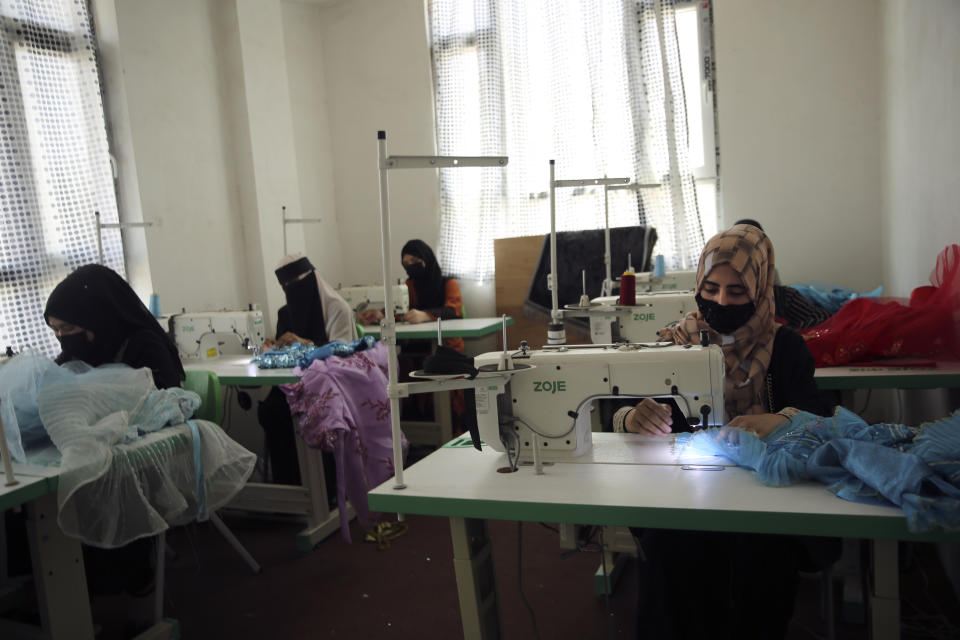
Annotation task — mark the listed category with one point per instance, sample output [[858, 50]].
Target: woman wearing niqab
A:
[[99, 319]]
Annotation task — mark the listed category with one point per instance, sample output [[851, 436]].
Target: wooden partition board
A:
[[515, 261]]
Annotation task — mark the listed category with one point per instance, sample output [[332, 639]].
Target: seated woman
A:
[[98, 318], [314, 314], [745, 583], [432, 296]]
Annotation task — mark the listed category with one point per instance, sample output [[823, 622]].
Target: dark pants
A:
[[273, 413], [695, 584]]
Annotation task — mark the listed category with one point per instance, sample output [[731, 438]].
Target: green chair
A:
[[206, 385]]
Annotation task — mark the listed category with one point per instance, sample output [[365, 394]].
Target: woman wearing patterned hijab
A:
[[769, 368], [748, 582]]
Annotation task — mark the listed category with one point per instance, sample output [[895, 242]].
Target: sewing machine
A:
[[670, 281], [546, 401], [203, 335], [639, 323], [363, 297]]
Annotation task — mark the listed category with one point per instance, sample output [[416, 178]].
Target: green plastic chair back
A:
[[360, 331], [206, 385]]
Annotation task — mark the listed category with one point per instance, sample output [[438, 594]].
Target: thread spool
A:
[[155, 305], [628, 288], [659, 268]]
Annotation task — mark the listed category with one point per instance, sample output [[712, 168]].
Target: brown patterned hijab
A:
[[747, 351]]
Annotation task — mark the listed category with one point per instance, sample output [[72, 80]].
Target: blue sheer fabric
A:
[[831, 298], [915, 468], [128, 465]]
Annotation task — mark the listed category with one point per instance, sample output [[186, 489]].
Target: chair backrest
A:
[[206, 385]]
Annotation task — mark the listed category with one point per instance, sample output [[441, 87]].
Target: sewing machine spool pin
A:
[[506, 362]]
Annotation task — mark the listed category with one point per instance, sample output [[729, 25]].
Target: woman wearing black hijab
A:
[[432, 295], [98, 318], [314, 314]]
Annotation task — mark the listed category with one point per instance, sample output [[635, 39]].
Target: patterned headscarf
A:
[[747, 351]]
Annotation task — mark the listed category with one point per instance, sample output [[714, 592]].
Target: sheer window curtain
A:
[[593, 84], [55, 168]]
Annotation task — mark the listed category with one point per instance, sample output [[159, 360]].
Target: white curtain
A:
[[55, 169], [592, 84]]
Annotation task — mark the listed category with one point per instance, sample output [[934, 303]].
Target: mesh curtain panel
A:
[[593, 84], [55, 169]]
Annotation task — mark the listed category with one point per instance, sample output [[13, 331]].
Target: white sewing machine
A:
[[639, 323], [670, 281], [203, 335], [548, 404], [361, 298]]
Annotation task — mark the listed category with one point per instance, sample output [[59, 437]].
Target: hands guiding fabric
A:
[[649, 418]]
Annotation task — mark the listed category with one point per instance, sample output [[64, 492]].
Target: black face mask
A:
[[416, 270], [299, 287], [725, 319], [77, 346]]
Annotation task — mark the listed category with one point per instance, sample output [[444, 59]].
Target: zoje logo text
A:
[[549, 386]]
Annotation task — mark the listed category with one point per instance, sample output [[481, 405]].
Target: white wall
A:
[[218, 134], [183, 168], [922, 170], [800, 103], [378, 76], [312, 137]]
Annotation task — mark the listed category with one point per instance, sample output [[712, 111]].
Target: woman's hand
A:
[[370, 316], [415, 316], [763, 424], [649, 418], [269, 343], [290, 337]]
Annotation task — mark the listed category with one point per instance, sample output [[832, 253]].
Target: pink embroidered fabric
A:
[[343, 408]]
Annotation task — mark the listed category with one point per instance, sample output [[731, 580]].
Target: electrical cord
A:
[[606, 584], [533, 617], [524, 423], [866, 403]]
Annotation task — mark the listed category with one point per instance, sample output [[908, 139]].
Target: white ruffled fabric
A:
[[124, 475]]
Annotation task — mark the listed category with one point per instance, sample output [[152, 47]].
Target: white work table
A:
[[460, 328], [889, 376], [465, 485], [310, 498]]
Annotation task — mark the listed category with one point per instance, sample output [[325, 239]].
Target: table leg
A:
[[476, 581], [321, 520], [58, 573], [885, 591]]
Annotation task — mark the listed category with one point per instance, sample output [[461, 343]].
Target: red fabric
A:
[[869, 328]]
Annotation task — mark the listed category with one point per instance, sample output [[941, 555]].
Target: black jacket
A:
[[790, 376]]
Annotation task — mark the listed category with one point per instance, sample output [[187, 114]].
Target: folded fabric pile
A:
[[914, 468], [301, 355]]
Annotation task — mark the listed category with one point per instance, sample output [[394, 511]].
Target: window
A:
[[595, 85], [55, 169], [695, 43]]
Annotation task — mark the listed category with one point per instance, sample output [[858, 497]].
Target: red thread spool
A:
[[628, 289]]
